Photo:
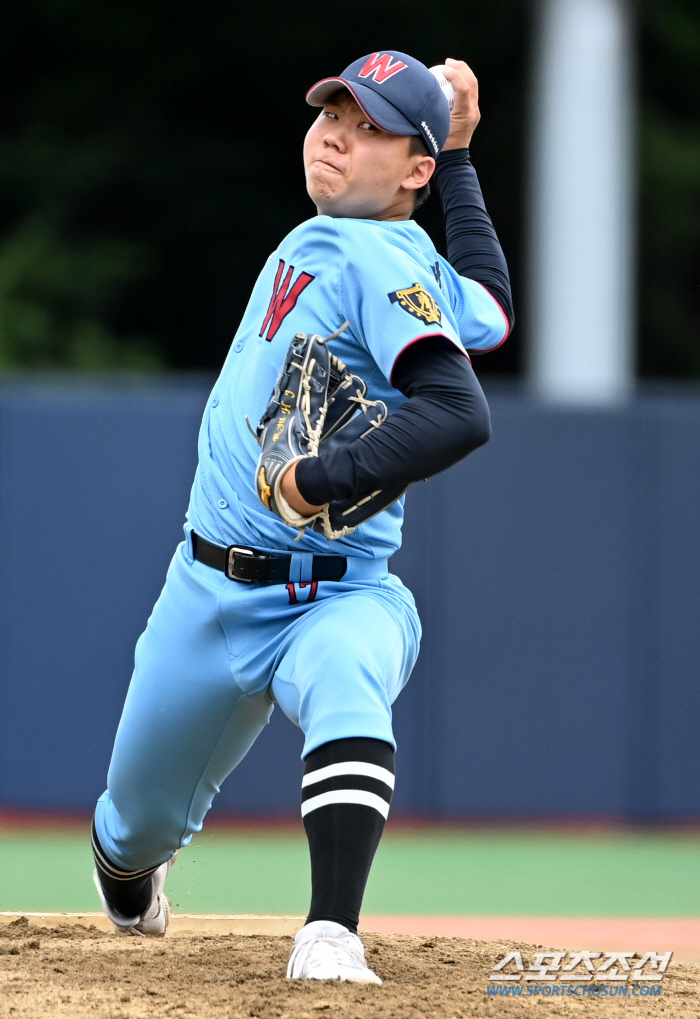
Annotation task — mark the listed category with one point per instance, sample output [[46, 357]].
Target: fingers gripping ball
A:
[[316, 400], [447, 89]]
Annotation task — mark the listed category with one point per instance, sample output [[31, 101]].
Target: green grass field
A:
[[459, 872]]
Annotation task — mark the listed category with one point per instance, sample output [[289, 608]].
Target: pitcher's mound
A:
[[82, 973]]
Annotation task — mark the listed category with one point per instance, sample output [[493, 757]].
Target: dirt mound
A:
[[20, 930], [79, 973]]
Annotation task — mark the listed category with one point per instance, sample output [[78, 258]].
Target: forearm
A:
[[445, 418], [473, 248]]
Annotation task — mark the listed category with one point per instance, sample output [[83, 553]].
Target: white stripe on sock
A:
[[360, 796], [114, 872], [349, 768]]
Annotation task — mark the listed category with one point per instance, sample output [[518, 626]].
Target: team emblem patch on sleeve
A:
[[418, 302]]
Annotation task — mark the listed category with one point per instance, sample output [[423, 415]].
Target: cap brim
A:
[[378, 110]]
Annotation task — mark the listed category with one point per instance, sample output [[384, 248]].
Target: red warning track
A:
[[605, 934]]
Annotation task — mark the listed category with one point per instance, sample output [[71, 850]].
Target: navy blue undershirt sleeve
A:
[[445, 418], [473, 248]]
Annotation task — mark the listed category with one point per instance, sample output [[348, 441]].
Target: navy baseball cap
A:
[[396, 92]]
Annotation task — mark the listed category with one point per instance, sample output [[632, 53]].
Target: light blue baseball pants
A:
[[214, 658]]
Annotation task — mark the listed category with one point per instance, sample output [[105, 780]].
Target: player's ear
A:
[[421, 172]]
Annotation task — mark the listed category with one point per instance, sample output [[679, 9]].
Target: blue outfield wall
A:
[[557, 573]]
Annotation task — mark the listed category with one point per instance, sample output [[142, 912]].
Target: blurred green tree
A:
[[150, 162], [150, 158], [669, 229], [52, 295]]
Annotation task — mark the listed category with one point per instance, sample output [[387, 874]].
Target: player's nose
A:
[[335, 139]]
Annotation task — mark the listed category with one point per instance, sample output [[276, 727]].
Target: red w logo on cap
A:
[[380, 67]]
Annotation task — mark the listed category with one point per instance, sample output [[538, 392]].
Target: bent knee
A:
[[139, 835]]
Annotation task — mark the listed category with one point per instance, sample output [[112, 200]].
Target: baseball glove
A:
[[316, 400]]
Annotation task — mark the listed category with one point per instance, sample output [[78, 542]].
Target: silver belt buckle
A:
[[231, 552]]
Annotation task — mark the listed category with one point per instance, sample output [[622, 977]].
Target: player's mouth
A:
[[328, 165]]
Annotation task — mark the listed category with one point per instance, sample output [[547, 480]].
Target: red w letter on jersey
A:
[[380, 67], [282, 302]]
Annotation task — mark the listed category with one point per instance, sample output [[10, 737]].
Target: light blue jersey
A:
[[388, 281]]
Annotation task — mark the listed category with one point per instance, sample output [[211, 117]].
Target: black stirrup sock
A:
[[127, 892], [345, 797]]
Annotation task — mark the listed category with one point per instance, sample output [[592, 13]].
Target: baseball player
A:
[[348, 379]]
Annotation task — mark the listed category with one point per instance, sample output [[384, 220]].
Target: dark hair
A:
[[419, 148]]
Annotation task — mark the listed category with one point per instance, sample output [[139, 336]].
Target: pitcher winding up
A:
[[348, 380]]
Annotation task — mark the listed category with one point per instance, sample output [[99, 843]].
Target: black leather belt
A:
[[249, 566]]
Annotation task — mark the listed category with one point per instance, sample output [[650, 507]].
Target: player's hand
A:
[[465, 112], [290, 492]]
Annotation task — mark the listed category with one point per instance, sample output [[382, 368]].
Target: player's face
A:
[[355, 169]]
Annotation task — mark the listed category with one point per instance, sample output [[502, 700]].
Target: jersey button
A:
[[222, 504], [238, 347], [215, 402]]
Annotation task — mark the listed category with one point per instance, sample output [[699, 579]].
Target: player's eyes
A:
[[366, 126], [332, 116]]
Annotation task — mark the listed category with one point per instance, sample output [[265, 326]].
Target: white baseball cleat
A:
[[154, 922], [324, 950]]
